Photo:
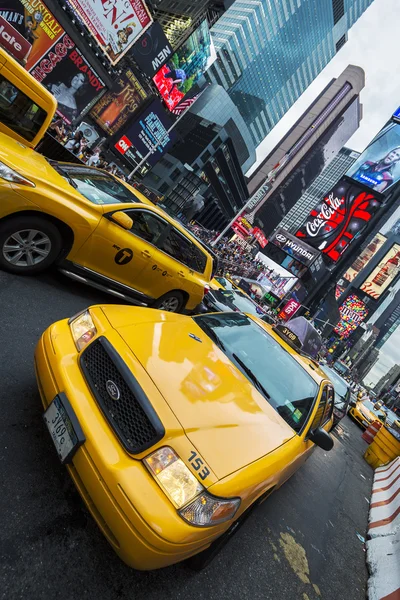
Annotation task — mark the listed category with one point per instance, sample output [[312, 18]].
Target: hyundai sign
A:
[[294, 247]]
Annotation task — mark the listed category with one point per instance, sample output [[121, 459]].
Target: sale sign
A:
[[289, 310], [115, 25]]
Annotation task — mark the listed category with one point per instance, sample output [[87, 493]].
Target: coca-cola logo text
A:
[[328, 209]]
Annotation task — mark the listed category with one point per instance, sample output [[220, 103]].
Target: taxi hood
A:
[[226, 419]]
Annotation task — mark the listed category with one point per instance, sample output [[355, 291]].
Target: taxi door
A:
[[169, 264], [122, 255], [322, 418]]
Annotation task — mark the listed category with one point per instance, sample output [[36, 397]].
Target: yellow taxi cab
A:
[[173, 428], [97, 229], [365, 413]]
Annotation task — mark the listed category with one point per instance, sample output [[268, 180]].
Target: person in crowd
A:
[[58, 130], [75, 142], [94, 159]]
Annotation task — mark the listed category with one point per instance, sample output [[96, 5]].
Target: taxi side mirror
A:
[[321, 438], [122, 219]]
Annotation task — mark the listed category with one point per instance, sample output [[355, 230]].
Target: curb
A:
[[383, 545]]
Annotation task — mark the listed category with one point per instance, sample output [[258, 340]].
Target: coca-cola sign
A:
[[344, 213]]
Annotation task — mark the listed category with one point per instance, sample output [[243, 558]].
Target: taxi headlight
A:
[[173, 476], [82, 329], [186, 493], [10, 175]]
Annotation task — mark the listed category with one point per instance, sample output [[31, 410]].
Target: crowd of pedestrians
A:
[[77, 144]]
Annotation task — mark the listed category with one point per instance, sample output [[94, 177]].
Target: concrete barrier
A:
[[383, 545]]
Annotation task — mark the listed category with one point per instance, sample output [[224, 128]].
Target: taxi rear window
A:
[[288, 388], [19, 112]]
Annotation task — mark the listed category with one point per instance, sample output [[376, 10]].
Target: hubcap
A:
[[26, 248], [170, 304]]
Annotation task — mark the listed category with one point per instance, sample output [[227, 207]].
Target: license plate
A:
[[64, 428]]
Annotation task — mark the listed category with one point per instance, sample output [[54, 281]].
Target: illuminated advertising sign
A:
[[185, 67], [271, 298], [148, 133], [384, 274], [260, 237], [33, 20], [115, 25], [152, 50], [378, 167], [341, 216], [12, 41], [66, 73], [293, 246], [289, 309], [352, 313], [118, 105], [365, 256]]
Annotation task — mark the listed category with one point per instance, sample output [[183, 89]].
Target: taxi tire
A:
[[18, 223], [169, 296]]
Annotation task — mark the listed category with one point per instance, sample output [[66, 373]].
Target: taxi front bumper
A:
[[359, 418], [141, 543]]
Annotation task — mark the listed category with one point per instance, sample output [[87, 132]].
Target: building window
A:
[[164, 187], [205, 156], [340, 43], [338, 10], [175, 174], [167, 163]]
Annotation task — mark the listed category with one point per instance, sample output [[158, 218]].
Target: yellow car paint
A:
[[362, 415], [91, 238], [205, 404]]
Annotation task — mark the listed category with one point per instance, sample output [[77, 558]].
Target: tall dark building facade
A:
[[312, 143], [388, 321]]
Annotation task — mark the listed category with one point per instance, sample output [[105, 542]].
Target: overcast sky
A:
[[372, 45]]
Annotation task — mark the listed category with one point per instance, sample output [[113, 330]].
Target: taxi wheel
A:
[[171, 302], [28, 244]]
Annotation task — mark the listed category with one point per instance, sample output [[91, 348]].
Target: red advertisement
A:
[[260, 237], [33, 20], [341, 216], [289, 310], [12, 41]]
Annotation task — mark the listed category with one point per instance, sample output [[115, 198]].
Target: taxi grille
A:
[[120, 397]]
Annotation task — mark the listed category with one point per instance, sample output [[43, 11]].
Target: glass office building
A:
[[269, 51]]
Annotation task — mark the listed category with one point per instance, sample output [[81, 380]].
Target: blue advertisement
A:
[[378, 167]]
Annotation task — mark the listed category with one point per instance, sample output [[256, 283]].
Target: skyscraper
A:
[[388, 321], [269, 51], [327, 179]]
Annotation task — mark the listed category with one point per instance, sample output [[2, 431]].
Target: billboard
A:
[[33, 20], [185, 67], [118, 105], [152, 50], [294, 247], [66, 73], [384, 274], [289, 310], [378, 167], [147, 133], [114, 24], [341, 216], [12, 41], [363, 259], [353, 311]]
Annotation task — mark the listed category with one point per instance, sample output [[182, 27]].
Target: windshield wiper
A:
[[251, 376], [60, 170]]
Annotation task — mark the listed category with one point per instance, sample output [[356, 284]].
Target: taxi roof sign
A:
[[301, 335]]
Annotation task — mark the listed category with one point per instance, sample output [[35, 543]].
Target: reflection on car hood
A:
[[221, 412]]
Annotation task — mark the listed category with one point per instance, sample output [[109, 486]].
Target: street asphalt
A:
[[301, 544]]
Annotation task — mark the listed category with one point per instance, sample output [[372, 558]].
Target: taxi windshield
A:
[[236, 299], [97, 186], [283, 382]]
